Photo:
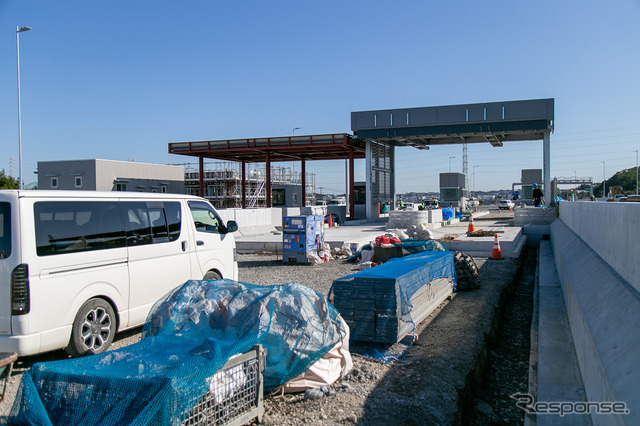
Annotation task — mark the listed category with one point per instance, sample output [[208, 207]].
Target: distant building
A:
[[108, 175], [528, 178], [452, 189]]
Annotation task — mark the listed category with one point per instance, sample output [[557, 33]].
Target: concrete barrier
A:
[[603, 309], [253, 221], [524, 216], [405, 218], [611, 230]]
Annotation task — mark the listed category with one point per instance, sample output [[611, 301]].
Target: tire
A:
[[93, 328], [212, 275], [466, 272]]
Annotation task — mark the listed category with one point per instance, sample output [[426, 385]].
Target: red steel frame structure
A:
[[335, 146]]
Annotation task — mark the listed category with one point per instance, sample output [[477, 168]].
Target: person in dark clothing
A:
[[538, 196]]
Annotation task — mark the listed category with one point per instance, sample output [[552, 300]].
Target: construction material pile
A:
[[384, 304], [188, 337]]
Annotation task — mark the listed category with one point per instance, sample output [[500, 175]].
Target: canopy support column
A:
[[244, 184], [267, 196], [303, 179], [201, 178], [368, 186], [546, 149], [352, 196]]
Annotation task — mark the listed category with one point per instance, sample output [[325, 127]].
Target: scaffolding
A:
[[223, 183]]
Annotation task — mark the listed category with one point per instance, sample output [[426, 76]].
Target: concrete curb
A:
[[556, 376]]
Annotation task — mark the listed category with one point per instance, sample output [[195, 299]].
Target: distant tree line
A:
[[7, 182], [624, 178]]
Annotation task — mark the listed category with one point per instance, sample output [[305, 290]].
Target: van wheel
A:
[[212, 275], [93, 329]]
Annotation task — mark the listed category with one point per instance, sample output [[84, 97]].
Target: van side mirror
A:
[[232, 226]]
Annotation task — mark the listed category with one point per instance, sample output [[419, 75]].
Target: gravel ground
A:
[[428, 386]]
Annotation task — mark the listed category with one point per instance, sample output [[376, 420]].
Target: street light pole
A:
[[20, 178], [294, 130], [450, 163], [474, 178]]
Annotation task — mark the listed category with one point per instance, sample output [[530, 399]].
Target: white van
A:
[[77, 266]]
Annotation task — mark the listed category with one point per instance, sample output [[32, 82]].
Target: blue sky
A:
[[121, 79]]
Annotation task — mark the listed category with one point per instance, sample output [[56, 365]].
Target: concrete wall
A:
[[612, 230], [253, 221], [603, 310], [264, 220]]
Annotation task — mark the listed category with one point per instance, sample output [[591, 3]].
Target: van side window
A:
[[138, 223], [5, 230], [205, 218], [74, 226], [159, 230], [152, 222], [172, 212]]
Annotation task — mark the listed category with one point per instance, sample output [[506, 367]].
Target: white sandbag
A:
[[366, 255], [364, 265], [336, 364], [327, 251], [401, 234], [313, 258]]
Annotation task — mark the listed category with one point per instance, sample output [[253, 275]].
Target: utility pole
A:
[[636, 151]]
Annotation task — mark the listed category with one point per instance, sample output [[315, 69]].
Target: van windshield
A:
[[5, 230]]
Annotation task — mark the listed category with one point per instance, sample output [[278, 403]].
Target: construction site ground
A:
[[469, 356]]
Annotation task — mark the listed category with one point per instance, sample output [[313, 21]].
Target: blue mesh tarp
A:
[[376, 303], [189, 335], [409, 245], [416, 246]]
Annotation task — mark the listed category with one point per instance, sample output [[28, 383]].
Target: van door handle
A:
[[184, 246], [200, 243]]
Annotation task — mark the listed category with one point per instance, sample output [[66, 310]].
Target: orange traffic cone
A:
[[330, 221], [496, 253], [471, 227]]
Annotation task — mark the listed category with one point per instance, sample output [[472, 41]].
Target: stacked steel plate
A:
[[384, 304]]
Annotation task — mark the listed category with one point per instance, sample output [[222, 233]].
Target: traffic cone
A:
[[471, 227], [496, 253], [330, 221]]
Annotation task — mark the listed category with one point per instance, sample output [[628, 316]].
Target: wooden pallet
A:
[[483, 233]]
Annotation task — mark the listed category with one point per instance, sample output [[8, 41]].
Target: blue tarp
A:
[[376, 302], [189, 335], [447, 213], [411, 272]]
